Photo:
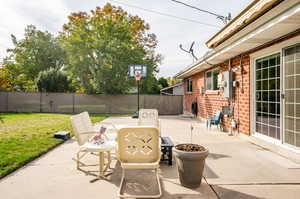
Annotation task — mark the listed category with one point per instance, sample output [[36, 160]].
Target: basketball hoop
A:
[[138, 72], [137, 76]]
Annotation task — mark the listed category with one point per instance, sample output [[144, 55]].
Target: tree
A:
[[152, 85], [163, 82], [53, 80], [37, 51], [172, 81], [17, 79], [102, 44], [149, 85], [5, 79]]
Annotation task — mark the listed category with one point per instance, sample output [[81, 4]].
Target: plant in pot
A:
[[190, 160]]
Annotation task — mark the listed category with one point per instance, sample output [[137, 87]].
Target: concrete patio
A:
[[235, 168]]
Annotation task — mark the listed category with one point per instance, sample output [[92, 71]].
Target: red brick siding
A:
[[208, 104]]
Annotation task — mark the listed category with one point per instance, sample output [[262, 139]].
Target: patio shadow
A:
[[138, 181], [216, 156], [225, 193], [208, 173]]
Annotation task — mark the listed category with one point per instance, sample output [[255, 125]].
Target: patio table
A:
[[108, 146]]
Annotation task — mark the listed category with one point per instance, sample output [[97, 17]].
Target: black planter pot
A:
[[190, 166]]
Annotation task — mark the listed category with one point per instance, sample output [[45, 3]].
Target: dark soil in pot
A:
[[190, 159]]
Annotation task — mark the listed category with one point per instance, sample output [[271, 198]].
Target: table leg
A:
[[170, 156], [101, 162]]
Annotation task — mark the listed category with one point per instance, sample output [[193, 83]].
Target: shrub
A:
[[53, 80]]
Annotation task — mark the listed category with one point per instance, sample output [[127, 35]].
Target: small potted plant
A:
[[190, 160]]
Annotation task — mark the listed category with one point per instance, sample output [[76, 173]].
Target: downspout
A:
[[242, 70]]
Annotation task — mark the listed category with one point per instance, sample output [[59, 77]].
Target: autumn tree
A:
[[5, 79], [100, 46]]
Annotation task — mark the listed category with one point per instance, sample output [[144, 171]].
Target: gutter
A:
[[204, 59]]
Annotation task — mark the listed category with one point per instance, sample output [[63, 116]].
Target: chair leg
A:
[[78, 159], [159, 185], [121, 184], [140, 196]]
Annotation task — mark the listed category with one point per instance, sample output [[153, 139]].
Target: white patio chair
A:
[[139, 148], [149, 117], [111, 130], [84, 131]]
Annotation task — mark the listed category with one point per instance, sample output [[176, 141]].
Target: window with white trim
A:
[[189, 85], [211, 79]]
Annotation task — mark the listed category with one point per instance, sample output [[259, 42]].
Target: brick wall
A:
[[212, 101]]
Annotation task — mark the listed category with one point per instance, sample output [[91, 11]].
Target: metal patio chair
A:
[[111, 130], [139, 148], [149, 117], [84, 131]]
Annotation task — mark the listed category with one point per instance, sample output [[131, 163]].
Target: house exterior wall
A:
[[210, 102]]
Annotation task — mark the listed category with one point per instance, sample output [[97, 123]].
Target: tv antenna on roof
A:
[[224, 19], [190, 51]]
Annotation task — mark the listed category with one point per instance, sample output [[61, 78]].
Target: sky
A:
[[171, 30]]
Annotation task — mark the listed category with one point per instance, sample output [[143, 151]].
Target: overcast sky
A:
[[170, 31]]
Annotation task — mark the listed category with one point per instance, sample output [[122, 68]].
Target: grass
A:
[[25, 136]]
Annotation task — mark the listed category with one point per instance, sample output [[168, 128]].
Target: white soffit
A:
[[278, 26], [285, 23], [254, 9]]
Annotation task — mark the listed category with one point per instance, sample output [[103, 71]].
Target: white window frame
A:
[[189, 82], [212, 70]]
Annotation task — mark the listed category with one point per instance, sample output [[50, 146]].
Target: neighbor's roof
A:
[[172, 86]]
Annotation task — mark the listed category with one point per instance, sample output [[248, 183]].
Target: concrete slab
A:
[[235, 168], [257, 191], [54, 175], [232, 160]]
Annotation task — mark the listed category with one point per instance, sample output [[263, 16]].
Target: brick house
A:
[[252, 69]]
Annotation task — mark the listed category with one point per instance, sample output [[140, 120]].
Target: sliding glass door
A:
[[291, 61], [267, 91]]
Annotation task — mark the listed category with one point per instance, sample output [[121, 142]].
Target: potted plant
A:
[[190, 160]]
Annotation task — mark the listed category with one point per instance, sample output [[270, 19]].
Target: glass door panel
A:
[[268, 96], [292, 95]]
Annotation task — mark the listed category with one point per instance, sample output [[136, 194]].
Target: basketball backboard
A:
[[134, 69]]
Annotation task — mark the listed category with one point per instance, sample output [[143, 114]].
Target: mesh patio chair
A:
[[84, 132], [111, 130], [139, 148], [149, 117]]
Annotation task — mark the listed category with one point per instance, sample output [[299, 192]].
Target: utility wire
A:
[[223, 18], [165, 14], [197, 8]]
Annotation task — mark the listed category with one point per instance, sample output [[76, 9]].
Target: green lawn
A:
[[25, 136]]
